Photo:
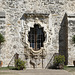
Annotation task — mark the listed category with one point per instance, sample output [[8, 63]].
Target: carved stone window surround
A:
[[36, 20]]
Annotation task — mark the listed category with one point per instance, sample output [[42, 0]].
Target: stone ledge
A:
[[36, 14]]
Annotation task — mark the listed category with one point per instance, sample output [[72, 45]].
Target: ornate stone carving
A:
[[36, 19]]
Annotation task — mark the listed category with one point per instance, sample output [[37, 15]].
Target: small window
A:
[[36, 37]]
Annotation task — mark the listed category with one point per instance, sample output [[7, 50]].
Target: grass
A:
[[6, 68], [69, 68], [9, 68]]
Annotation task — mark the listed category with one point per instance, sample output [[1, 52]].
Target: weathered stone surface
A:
[[20, 15]]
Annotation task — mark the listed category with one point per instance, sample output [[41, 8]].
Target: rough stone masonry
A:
[[24, 22]]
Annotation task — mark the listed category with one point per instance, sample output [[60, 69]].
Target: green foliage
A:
[[69, 68], [4, 68], [60, 59], [73, 38], [19, 64], [1, 38]]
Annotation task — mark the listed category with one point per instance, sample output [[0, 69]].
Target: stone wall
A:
[[71, 33], [63, 38], [14, 25]]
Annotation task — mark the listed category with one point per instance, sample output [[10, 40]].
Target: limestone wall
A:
[[71, 33], [15, 26]]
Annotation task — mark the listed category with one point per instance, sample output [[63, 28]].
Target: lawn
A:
[[69, 68], [6, 68]]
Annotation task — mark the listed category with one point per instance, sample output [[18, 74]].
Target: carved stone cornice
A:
[[34, 15]]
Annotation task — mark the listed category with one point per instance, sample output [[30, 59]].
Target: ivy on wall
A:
[[73, 38], [2, 39]]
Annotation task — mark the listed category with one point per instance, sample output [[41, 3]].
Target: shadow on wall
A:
[[63, 39], [50, 63], [23, 17]]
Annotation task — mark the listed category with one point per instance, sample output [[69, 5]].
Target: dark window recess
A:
[[2, 14], [2, 17], [36, 37]]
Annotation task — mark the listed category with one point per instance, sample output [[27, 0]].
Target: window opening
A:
[[36, 37]]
